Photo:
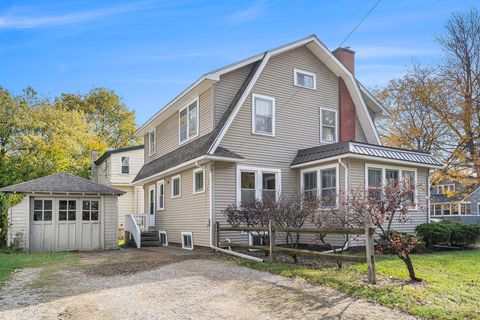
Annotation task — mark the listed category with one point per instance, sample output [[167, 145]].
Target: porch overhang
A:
[[364, 151]]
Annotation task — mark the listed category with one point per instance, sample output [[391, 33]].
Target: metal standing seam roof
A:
[[62, 183], [360, 148]]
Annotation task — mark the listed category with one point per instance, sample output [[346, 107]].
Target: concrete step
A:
[[151, 244], [149, 238]]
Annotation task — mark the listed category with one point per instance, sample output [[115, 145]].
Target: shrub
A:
[[451, 233]]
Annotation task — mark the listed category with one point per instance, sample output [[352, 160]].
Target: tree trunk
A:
[[411, 271]]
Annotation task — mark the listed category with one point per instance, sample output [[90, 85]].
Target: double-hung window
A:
[[198, 181], [257, 184], [304, 79], [263, 115], [152, 143], [125, 164], [321, 183], [328, 126], [161, 195], [379, 176], [189, 121], [151, 199], [176, 186]]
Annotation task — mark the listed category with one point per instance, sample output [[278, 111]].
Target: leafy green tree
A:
[[106, 114]]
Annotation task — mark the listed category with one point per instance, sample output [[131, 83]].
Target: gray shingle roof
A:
[[62, 183], [364, 149], [199, 146]]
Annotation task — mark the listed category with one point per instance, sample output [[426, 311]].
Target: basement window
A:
[[187, 240], [162, 236]]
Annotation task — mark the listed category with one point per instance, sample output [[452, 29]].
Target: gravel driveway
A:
[[170, 283]]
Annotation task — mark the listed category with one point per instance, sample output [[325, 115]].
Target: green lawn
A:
[[9, 262], [450, 290]]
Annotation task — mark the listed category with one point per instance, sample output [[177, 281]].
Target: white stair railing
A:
[[135, 224]]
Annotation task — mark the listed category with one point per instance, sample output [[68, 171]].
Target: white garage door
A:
[[65, 224]]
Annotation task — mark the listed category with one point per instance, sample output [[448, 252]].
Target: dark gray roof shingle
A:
[[62, 183], [360, 148]]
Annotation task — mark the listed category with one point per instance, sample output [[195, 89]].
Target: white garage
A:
[[64, 212]]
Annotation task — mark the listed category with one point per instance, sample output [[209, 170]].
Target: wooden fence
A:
[[272, 248]]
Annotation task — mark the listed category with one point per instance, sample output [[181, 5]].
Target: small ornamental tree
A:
[[380, 207]]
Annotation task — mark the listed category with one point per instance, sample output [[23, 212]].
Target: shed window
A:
[[67, 210], [328, 126], [125, 164], [90, 210], [263, 115], [42, 210], [305, 79], [189, 121]]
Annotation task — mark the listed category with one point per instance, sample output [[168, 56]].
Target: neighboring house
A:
[[117, 168], [449, 200], [289, 120], [63, 212]]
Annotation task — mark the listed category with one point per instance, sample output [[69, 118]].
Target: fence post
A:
[[217, 234], [271, 237], [370, 252]]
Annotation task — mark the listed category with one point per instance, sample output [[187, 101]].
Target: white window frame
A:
[[251, 235], [195, 182], [466, 203], [160, 183], [385, 167], [318, 170], [272, 99], [180, 141], [150, 151], [179, 177], [150, 188], [121, 165], [258, 180], [295, 79], [336, 125], [183, 244], [166, 237]]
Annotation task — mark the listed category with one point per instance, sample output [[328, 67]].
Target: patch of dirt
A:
[[171, 284]]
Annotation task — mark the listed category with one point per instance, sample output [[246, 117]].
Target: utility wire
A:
[[361, 21]]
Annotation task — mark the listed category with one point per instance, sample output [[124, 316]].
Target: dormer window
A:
[[305, 79], [151, 143], [189, 121]]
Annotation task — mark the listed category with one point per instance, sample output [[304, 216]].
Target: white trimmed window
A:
[[125, 165], [161, 195], [257, 183], [42, 210], [176, 186], [162, 236], [305, 79], [263, 115], [198, 181], [187, 240], [321, 183], [152, 140], [151, 199], [328, 126], [189, 121], [378, 176]]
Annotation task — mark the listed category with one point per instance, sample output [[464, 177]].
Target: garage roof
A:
[[62, 183]]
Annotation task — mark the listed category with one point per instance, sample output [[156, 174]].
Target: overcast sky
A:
[[149, 51]]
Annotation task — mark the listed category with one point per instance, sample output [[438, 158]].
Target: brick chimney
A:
[[94, 176], [347, 108]]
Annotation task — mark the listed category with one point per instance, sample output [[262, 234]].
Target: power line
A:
[[361, 21]]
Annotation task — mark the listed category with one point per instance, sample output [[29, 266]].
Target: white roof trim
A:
[[382, 108]]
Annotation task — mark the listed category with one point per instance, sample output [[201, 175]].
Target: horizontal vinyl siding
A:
[[19, 220], [167, 133], [135, 164], [359, 134], [110, 207], [226, 89], [188, 213], [104, 172], [126, 204]]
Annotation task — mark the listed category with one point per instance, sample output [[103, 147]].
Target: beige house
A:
[[117, 168], [291, 119]]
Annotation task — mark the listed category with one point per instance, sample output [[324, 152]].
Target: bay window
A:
[[189, 121]]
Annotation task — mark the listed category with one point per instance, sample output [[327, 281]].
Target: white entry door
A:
[[67, 225], [90, 226], [42, 233]]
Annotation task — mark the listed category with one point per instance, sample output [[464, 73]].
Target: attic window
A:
[[151, 143], [305, 79], [189, 121]]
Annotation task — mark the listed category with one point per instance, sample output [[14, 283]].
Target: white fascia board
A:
[[382, 110], [364, 157], [182, 166]]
